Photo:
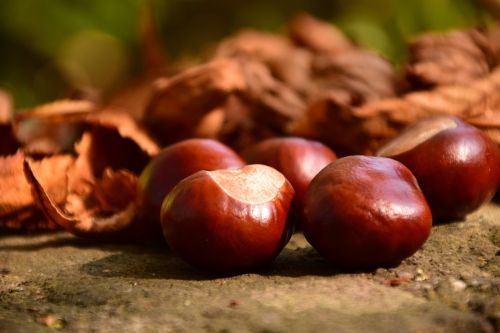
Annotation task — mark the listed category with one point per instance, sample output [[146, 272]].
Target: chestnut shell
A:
[[458, 170], [213, 231], [361, 212], [175, 163], [297, 158]]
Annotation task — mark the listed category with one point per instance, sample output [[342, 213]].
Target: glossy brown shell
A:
[[458, 170], [361, 212], [214, 231], [175, 163]]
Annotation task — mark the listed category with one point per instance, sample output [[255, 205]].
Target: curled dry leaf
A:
[[119, 142], [48, 129], [16, 201], [363, 129], [494, 41], [455, 57], [234, 124], [354, 76], [285, 61], [96, 214], [273, 103], [179, 102], [316, 35]]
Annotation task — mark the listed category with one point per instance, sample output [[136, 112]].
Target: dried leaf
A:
[[126, 126], [494, 41], [48, 129], [62, 110], [87, 216], [15, 194], [236, 126], [273, 103], [180, 102], [17, 209], [318, 36], [285, 61], [363, 129], [455, 57], [355, 76], [119, 142]]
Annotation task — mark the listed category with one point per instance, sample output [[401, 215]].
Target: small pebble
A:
[[420, 275], [52, 322], [457, 285]]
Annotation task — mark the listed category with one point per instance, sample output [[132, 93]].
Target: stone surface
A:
[[56, 281]]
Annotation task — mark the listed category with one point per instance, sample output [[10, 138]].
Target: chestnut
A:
[[175, 163], [361, 212], [297, 158], [228, 220], [456, 165]]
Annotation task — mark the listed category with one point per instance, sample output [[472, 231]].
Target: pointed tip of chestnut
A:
[[227, 221], [361, 212], [456, 165]]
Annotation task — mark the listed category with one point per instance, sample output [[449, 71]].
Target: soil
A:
[[55, 281]]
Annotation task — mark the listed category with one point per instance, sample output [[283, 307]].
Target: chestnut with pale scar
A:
[[456, 165], [227, 221]]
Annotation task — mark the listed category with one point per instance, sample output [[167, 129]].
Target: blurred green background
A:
[[50, 47]]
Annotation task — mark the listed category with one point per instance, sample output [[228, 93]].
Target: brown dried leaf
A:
[[119, 142], [273, 104], [318, 36], [85, 112], [180, 102], [62, 110], [455, 57], [286, 62], [363, 129], [355, 76], [90, 216], [15, 193], [125, 126], [235, 125], [494, 41], [48, 129]]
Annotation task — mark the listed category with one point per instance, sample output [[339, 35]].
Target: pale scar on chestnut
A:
[[416, 134], [253, 184]]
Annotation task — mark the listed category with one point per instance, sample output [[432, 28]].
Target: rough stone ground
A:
[[59, 282]]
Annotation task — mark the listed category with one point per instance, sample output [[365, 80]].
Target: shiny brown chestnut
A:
[[229, 220], [297, 158], [175, 163], [362, 212], [456, 165]]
